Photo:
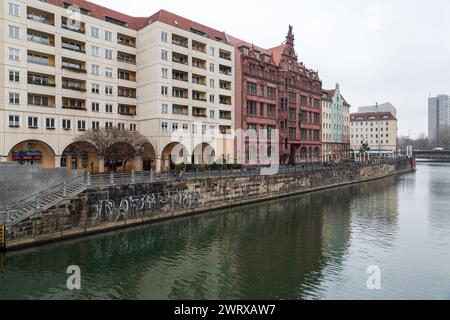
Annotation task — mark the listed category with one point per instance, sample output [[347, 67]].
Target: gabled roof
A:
[[277, 53], [331, 94]]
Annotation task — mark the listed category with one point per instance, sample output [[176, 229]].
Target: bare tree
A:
[[114, 144]]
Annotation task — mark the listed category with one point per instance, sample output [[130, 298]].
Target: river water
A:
[[316, 246]]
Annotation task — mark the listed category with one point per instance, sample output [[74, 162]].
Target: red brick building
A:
[[295, 94]]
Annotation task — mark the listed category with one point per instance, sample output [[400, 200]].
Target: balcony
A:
[[180, 110], [225, 55], [198, 46], [126, 75], [126, 58], [73, 104], [225, 115], [225, 129], [39, 37], [38, 100], [225, 70], [72, 25], [199, 112], [180, 58], [225, 85], [198, 96], [180, 93], [226, 100], [199, 63], [127, 92], [40, 16], [198, 79], [126, 40], [73, 84], [180, 75], [74, 65], [42, 59], [73, 45], [127, 110], [41, 80], [180, 41]]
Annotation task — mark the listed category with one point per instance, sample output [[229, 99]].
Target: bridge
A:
[[432, 155]]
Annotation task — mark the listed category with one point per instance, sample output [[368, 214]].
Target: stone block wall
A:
[[104, 209]]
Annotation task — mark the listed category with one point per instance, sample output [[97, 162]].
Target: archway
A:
[[81, 156], [120, 157], [148, 157], [33, 152], [203, 154], [174, 153]]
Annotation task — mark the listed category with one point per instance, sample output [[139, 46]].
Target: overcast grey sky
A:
[[379, 51]]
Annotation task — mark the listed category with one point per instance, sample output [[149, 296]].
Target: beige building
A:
[[335, 125], [66, 69], [377, 129]]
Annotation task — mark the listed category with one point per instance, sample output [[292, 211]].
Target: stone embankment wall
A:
[[114, 207]]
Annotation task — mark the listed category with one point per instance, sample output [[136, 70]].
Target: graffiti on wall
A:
[[145, 204]]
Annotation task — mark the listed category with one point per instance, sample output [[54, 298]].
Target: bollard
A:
[[111, 178], [38, 201], [8, 215], [64, 189], [88, 179], [133, 176], [151, 174]]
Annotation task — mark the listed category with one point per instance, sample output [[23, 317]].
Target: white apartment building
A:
[[68, 69], [377, 129], [439, 119]]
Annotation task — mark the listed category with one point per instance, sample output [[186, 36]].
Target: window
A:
[[212, 83], [14, 76], [13, 9], [251, 88], [108, 108], [174, 127], [95, 51], [164, 36], [109, 90], [261, 90], [164, 126], [95, 88], [13, 54], [14, 32], [50, 123], [14, 98], [212, 114], [108, 54], [164, 108], [203, 129], [251, 107], [14, 121], [95, 70], [109, 125], [212, 129], [66, 124], [121, 126], [109, 72], [164, 73], [164, 90], [262, 109], [81, 125], [212, 51], [185, 127], [133, 127], [271, 92], [164, 55], [33, 122], [95, 125], [194, 128], [211, 67], [95, 32], [95, 107], [108, 35], [212, 98]]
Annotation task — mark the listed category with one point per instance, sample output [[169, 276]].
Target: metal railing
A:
[[41, 201]]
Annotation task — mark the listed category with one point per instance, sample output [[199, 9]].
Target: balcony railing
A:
[[74, 69], [73, 27], [41, 83], [73, 107], [73, 47], [37, 18]]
